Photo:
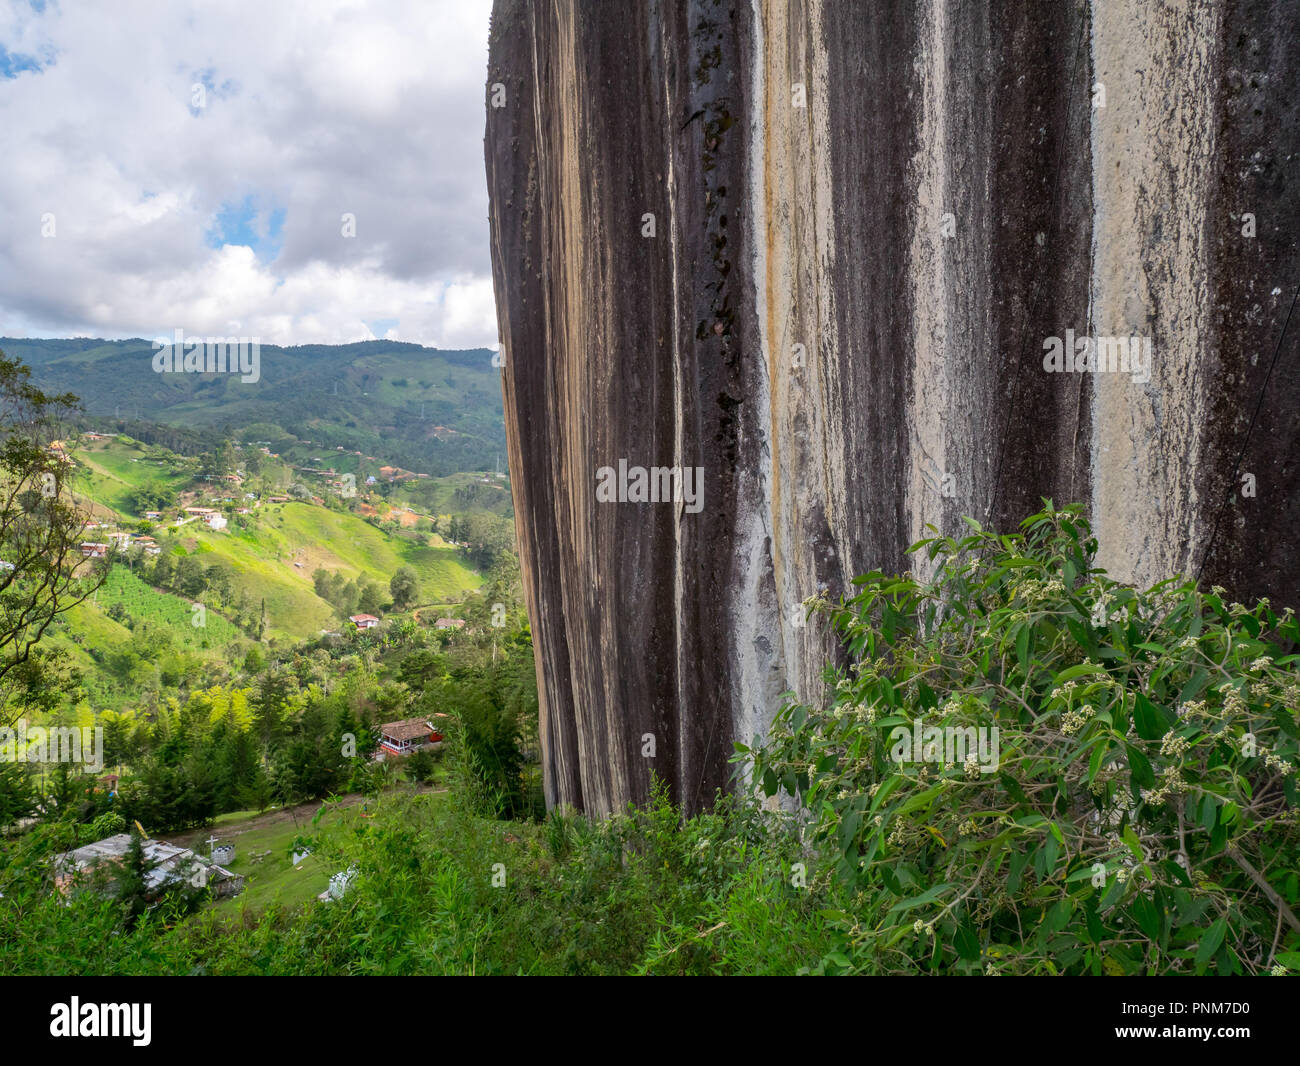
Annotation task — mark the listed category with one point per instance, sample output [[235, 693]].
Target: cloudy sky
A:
[[170, 164]]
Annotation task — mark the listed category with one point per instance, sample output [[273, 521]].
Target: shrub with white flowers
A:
[[1140, 815]]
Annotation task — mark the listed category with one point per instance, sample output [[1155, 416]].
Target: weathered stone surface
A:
[[950, 194]]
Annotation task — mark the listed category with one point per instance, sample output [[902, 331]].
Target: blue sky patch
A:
[[14, 63], [242, 223]]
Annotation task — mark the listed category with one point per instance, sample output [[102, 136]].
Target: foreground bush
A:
[[440, 889], [1132, 808]]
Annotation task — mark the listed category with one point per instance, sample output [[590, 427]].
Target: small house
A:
[[406, 736], [363, 621], [165, 864]]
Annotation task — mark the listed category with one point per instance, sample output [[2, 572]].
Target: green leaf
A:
[[1209, 944], [1194, 687], [1022, 647], [1072, 672], [1059, 916], [966, 942], [1140, 767], [1098, 755], [1151, 721], [928, 896], [1134, 845], [1147, 916], [1095, 929], [1209, 811], [1015, 871]]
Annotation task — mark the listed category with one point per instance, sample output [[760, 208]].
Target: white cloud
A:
[[313, 109]]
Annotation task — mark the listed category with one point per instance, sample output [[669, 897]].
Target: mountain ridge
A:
[[438, 411]]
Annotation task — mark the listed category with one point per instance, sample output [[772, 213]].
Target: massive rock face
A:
[[819, 250]]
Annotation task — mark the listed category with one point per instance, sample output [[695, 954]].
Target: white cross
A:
[[212, 841]]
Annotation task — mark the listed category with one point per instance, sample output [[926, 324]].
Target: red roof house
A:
[[406, 736]]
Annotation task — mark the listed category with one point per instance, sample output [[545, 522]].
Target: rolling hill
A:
[[267, 557], [424, 409]]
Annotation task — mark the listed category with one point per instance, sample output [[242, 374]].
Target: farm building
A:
[[167, 863], [94, 551], [406, 736], [363, 621]]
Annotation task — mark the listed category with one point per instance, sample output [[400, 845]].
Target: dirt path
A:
[[301, 816]]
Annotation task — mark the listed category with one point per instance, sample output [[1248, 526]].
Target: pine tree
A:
[[132, 886]]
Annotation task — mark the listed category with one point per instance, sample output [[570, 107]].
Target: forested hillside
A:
[[435, 411]]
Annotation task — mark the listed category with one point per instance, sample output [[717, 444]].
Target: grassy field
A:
[[112, 470], [342, 541], [88, 626], [273, 878], [143, 602], [459, 494], [271, 554]]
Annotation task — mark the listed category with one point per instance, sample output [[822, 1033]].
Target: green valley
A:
[[183, 598]]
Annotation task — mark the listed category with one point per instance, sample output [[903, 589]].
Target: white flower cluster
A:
[[1032, 590], [1232, 701], [1174, 746], [1172, 785], [1075, 719], [1274, 762]]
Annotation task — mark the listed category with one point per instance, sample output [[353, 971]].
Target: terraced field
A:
[[269, 556]]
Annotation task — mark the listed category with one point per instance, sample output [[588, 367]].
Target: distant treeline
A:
[[391, 400], [179, 439]]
